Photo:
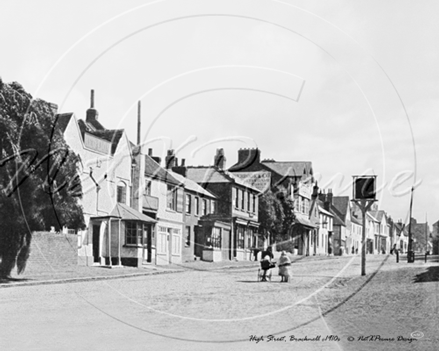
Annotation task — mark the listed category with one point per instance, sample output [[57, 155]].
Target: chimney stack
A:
[[170, 159], [247, 157], [220, 159], [330, 196], [315, 191], [92, 113], [180, 169]]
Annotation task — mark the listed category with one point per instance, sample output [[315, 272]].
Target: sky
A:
[[351, 86]]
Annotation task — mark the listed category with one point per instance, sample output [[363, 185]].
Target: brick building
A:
[[295, 177], [231, 232]]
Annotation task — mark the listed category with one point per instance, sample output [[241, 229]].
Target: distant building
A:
[[323, 243], [420, 236], [382, 243]]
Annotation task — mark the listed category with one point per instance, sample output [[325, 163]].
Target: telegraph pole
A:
[[410, 256]]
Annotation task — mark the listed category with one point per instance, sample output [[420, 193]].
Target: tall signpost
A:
[[364, 195]]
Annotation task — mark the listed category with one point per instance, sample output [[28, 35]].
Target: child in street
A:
[[283, 267]]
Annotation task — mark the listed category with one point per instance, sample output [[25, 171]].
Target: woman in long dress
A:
[[283, 267]]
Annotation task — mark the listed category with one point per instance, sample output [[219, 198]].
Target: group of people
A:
[[267, 263]]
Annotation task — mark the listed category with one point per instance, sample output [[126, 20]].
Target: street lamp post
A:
[[364, 195]]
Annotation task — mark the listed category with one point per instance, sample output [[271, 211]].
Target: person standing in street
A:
[[283, 267]]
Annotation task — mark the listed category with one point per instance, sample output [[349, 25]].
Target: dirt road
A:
[[215, 310]]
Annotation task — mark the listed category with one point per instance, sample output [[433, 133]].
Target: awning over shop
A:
[[247, 223], [305, 222], [126, 213]]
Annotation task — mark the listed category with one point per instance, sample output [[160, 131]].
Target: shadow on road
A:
[[431, 275]]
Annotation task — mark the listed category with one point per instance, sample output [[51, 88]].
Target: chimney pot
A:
[[92, 113], [182, 162], [150, 152]]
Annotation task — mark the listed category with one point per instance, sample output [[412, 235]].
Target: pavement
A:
[[70, 274]]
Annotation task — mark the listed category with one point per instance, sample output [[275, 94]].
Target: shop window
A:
[[133, 233], [240, 237], [216, 238]]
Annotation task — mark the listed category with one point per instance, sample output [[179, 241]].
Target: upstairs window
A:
[[121, 193], [188, 203], [148, 187], [171, 197], [204, 207], [196, 206]]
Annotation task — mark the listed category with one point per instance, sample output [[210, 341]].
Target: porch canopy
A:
[[126, 213]]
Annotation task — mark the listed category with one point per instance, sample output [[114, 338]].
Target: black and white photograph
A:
[[219, 175]]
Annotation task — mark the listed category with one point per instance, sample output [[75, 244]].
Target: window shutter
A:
[[180, 199]]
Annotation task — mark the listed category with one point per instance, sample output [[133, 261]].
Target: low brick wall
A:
[[51, 250]]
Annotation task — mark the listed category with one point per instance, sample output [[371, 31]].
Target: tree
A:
[[39, 179], [276, 214]]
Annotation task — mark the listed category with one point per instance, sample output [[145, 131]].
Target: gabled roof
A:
[[355, 219], [378, 214], [62, 120], [372, 217], [289, 168], [111, 135], [210, 174], [191, 185], [154, 171], [324, 211]]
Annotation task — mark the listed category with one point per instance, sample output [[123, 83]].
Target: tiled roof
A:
[[95, 124], [378, 214], [206, 175], [62, 120], [190, 184], [154, 171], [291, 169], [112, 135], [203, 175], [127, 213], [341, 204]]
